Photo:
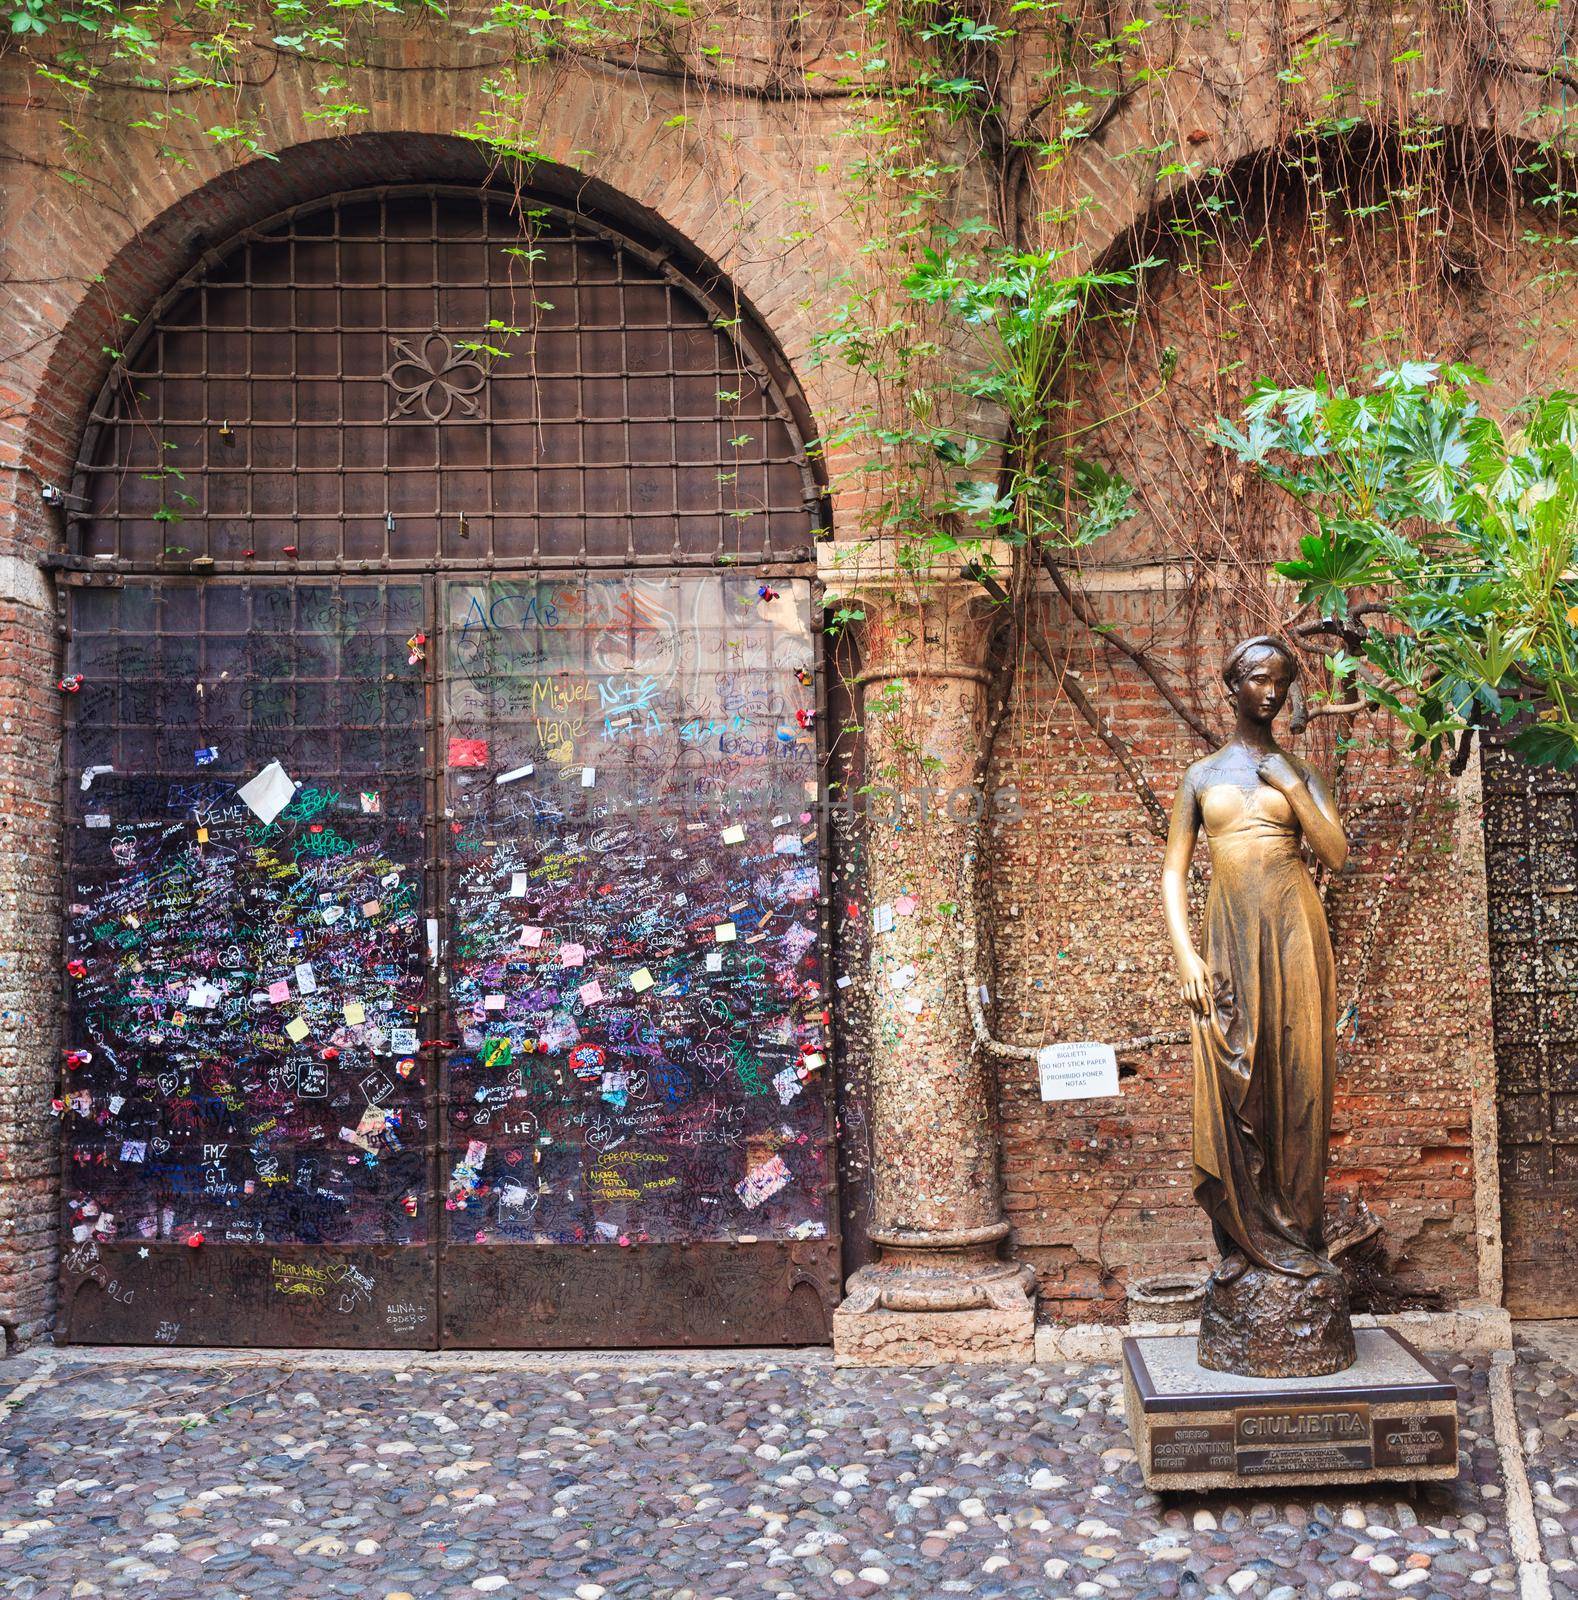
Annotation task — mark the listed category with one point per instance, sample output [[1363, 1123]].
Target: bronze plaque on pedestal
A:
[[1392, 1415]]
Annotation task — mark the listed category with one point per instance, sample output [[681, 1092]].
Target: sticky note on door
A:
[[735, 834], [723, 932], [531, 937], [493, 1002], [588, 777], [306, 978], [517, 885], [590, 993], [355, 1012], [279, 991], [572, 955], [296, 1029], [641, 980]]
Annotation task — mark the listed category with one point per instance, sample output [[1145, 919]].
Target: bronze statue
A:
[[1263, 998]]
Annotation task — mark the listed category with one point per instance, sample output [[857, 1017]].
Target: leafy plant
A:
[[1461, 530]]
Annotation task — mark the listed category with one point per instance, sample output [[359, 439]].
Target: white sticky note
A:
[[516, 775], [787, 844], [590, 993], [296, 1029], [811, 1062], [714, 961], [96, 819], [90, 773], [641, 980], [202, 996], [355, 1012], [844, 980], [901, 977], [432, 939], [882, 919], [268, 793], [531, 937], [517, 885], [724, 933], [734, 834], [588, 777], [914, 1004], [306, 978], [493, 1002], [1077, 1071]]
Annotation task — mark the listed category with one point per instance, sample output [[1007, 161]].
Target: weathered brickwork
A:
[[1098, 1194]]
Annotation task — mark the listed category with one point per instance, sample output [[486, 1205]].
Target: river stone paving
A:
[[1547, 1404], [766, 1476]]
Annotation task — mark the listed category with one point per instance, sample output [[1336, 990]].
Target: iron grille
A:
[[432, 376]]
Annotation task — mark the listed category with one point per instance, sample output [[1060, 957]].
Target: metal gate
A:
[[445, 944], [1531, 867]]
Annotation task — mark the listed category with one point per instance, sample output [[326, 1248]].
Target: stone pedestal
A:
[[1391, 1415], [940, 1290]]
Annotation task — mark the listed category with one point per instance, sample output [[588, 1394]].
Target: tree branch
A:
[[1082, 608]]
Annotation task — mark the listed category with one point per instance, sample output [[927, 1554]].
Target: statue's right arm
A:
[[1182, 834]]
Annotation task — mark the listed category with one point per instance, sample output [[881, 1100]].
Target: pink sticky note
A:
[[572, 955], [531, 937], [590, 993], [280, 991]]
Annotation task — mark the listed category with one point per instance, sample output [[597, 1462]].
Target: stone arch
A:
[[1183, 577], [660, 202]]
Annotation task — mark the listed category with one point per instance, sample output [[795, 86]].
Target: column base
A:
[[917, 1313]]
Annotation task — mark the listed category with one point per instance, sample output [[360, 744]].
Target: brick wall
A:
[[1100, 1195], [1099, 1192], [29, 944], [1096, 1198]]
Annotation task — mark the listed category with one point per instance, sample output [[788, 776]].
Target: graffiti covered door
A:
[[247, 1117], [616, 1130], [275, 1127], [635, 1090], [1531, 870]]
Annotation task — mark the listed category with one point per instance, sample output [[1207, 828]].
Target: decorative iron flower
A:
[[430, 375]]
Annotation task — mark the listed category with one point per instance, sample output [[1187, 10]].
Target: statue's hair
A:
[[1238, 658]]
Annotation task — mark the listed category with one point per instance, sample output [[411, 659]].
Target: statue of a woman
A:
[[1263, 998]]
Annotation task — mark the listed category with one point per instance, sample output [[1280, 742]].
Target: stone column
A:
[[939, 1291]]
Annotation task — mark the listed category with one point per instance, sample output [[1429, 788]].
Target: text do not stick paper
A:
[[1077, 1071]]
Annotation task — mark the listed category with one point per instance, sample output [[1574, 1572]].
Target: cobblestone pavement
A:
[[1547, 1399], [771, 1475]]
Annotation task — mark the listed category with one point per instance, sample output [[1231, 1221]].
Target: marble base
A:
[[1390, 1416], [933, 1338]]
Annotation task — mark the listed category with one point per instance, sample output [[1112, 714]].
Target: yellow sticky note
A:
[[296, 1029], [734, 835], [202, 835], [641, 981], [355, 1011], [723, 932]]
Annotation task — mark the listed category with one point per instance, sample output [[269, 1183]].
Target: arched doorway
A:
[[444, 867]]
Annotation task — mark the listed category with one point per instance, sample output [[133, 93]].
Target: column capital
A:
[[923, 619]]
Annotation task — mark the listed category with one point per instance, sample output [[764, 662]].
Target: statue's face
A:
[[1264, 679]]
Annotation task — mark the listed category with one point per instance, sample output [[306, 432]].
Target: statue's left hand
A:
[[1276, 770]]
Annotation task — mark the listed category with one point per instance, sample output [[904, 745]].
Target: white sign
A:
[[1077, 1071]]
